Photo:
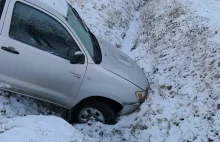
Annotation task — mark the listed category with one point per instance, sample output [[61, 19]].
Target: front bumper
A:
[[129, 109]]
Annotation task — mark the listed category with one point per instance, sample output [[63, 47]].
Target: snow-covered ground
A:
[[40, 129], [176, 42]]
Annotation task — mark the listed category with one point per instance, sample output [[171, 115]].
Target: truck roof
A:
[[53, 6]]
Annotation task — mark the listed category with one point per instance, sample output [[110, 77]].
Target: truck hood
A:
[[119, 63]]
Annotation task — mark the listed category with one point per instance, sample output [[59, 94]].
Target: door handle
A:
[[75, 75], [10, 49]]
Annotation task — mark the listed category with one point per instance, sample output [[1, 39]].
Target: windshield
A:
[[81, 30]]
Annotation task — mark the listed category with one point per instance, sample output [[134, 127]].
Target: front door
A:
[[35, 53]]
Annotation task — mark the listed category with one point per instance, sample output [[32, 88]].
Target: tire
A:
[[102, 107]]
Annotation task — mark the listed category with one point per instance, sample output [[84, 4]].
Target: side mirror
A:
[[78, 58]]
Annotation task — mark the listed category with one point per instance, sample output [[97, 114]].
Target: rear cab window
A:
[[2, 4]]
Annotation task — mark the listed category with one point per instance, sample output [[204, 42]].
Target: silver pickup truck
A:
[[53, 56]]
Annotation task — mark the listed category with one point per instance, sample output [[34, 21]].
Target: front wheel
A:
[[94, 111]]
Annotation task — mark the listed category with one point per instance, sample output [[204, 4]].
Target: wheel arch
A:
[[116, 106]]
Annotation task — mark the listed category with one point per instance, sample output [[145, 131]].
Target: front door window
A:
[[41, 31]]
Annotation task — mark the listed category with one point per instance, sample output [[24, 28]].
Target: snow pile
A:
[[39, 129], [12, 105]]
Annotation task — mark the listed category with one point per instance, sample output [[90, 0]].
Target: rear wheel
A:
[[93, 110]]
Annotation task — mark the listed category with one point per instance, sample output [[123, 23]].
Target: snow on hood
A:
[[58, 5]]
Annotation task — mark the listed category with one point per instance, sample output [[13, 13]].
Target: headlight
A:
[[141, 95]]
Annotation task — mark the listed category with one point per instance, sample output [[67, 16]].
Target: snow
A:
[[100, 16], [177, 45], [58, 5], [39, 129], [3, 85]]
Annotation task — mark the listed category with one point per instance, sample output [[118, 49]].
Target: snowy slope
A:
[[177, 44], [108, 19], [58, 5]]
